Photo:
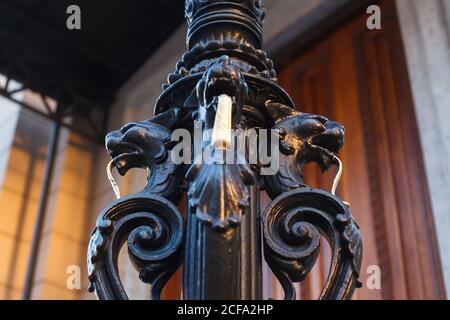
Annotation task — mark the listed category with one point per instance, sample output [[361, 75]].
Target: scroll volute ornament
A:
[[153, 229], [225, 58], [297, 217], [149, 222], [293, 223]]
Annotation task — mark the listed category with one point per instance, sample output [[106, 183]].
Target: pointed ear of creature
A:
[[279, 111], [166, 119]]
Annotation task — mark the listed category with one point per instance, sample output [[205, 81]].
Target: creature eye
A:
[[311, 126], [321, 119]]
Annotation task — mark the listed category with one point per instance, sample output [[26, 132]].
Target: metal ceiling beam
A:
[[57, 117], [36, 24]]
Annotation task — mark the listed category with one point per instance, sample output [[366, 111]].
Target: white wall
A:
[[425, 27], [8, 121]]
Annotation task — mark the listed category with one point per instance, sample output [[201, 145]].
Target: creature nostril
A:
[[110, 138], [335, 129]]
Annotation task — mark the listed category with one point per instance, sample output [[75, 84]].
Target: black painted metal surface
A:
[[221, 236]]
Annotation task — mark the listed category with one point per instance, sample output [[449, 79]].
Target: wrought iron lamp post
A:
[[225, 81]]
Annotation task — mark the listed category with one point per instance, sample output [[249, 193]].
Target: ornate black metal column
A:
[[225, 82], [222, 256]]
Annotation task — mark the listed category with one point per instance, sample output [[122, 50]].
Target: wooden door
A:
[[358, 77]]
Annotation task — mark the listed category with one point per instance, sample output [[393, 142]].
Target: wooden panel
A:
[[358, 77], [173, 288], [313, 93], [396, 167]]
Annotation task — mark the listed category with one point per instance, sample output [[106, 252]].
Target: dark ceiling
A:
[[90, 64]]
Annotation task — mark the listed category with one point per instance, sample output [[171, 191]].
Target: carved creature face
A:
[[312, 138], [222, 77], [137, 144]]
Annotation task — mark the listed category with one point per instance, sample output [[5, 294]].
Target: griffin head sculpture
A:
[[304, 138], [146, 144], [225, 81]]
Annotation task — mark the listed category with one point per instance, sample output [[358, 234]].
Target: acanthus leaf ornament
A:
[[218, 190], [225, 81]]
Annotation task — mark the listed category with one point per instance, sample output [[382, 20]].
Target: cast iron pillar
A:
[[222, 252], [223, 131]]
